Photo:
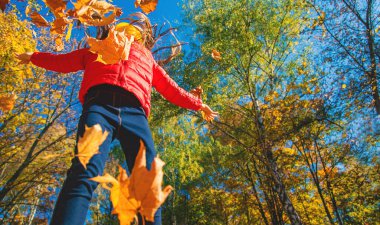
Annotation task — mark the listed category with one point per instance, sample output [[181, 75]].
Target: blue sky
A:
[[166, 10]]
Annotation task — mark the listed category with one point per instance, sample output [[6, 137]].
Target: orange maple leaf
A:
[[141, 193], [114, 48], [216, 55], [88, 145], [7, 102], [147, 6]]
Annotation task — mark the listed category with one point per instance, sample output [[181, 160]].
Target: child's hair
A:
[[142, 23]]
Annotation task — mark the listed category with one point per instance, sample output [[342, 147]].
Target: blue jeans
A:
[[118, 112]]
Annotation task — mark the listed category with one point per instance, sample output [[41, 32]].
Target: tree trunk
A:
[[280, 189], [372, 74]]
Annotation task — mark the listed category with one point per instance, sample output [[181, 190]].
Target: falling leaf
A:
[[92, 12], [112, 49], [197, 92], [216, 55], [58, 7], [68, 35], [147, 6], [7, 102], [59, 45], [3, 4], [146, 185], [59, 25], [142, 192], [38, 20], [58, 28], [88, 145], [129, 29]]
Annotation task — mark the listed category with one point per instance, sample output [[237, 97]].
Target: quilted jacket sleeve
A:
[[170, 90], [63, 63]]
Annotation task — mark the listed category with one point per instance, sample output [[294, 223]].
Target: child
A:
[[117, 97]]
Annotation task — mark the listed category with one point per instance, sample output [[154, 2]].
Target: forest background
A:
[[296, 142]]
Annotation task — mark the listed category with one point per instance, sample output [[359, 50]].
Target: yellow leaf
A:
[[129, 29], [114, 48], [344, 86], [88, 145], [68, 35], [147, 6]]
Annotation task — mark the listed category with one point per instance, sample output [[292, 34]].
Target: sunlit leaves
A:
[[88, 145], [7, 102], [88, 12]]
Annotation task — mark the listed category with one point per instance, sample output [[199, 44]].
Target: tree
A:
[[258, 44], [349, 42], [36, 135]]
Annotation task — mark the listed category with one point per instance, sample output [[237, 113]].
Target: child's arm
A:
[[63, 63], [168, 88]]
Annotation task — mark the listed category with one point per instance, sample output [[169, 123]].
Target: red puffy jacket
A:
[[137, 75]]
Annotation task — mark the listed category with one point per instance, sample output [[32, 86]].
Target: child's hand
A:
[[209, 114], [24, 57]]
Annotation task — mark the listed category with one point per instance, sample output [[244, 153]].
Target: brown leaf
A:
[[147, 6], [88, 145], [112, 49], [3, 4], [197, 92], [38, 20], [7, 102], [216, 55]]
